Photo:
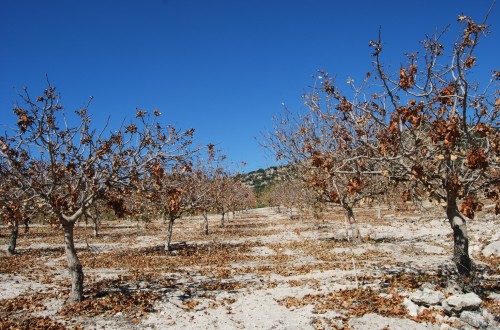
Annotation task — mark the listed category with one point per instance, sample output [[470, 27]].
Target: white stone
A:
[[427, 297], [460, 302], [488, 316], [473, 319], [494, 296], [413, 309], [492, 249]]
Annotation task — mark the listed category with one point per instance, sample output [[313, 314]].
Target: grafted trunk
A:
[[316, 211], [74, 265], [356, 235], [95, 222], [460, 239], [13, 238], [205, 221], [95, 232], [169, 233]]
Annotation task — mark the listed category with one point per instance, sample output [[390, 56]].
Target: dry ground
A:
[[260, 271]]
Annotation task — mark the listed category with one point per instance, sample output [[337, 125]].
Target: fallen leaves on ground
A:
[[23, 303], [226, 261], [136, 304], [355, 302], [31, 322]]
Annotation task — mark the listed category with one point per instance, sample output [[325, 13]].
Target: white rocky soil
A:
[[260, 271]]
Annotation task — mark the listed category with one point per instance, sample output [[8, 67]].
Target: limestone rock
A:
[[413, 309], [492, 249], [494, 296], [427, 297], [461, 302], [493, 322], [475, 320]]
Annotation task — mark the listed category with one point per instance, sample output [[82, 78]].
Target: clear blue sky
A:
[[222, 67]]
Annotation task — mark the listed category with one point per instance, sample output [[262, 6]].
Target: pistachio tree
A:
[[433, 129], [439, 134], [66, 165], [331, 148], [167, 190], [16, 208]]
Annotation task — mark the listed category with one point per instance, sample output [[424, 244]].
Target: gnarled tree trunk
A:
[[95, 232], [460, 239], [13, 238], [205, 221], [222, 222], [74, 265], [356, 235], [95, 222], [169, 233]]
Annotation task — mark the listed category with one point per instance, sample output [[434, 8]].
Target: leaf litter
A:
[[306, 267]]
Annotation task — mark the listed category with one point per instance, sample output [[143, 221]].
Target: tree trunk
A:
[[13, 238], [95, 221], [460, 239], [169, 234], [95, 230], [74, 265], [317, 211], [356, 235], [205, 221], [222, 219]]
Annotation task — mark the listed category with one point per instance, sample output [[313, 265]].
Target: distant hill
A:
[[263, 178]]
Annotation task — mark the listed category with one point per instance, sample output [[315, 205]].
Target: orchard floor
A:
[[260, 271]]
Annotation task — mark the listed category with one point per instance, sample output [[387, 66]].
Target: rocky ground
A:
[[260, 271]]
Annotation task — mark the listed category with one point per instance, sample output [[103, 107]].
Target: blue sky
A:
[[223, 67]]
